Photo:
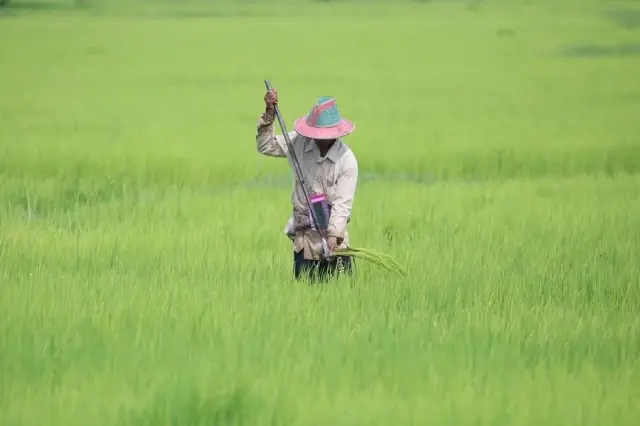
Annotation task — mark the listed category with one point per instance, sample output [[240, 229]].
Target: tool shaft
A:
[[299, 174]]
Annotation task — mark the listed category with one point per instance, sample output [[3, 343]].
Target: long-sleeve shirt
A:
[[335, 174]]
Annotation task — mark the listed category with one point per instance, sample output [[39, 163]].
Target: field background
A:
[[144, 276]]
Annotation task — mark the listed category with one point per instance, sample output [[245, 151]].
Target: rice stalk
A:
[[378, 258]]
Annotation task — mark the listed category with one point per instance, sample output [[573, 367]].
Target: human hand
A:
[[332, 242], [271, 98]]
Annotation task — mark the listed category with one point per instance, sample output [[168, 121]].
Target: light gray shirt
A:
[[335, 175]]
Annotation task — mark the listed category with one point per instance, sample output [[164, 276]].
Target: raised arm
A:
[[267, 142]]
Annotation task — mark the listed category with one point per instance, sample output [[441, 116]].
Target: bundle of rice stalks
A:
[[380, 259]]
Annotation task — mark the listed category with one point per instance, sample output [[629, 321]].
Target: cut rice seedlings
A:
[[378, 258]]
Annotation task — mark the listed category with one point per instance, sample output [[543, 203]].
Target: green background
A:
[[145, 278]]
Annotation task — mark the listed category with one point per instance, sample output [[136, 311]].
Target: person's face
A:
[[324, 144]]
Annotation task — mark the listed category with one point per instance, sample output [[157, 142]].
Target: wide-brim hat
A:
[[324, 121]]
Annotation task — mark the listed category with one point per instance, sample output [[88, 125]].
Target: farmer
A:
[[329, 168]]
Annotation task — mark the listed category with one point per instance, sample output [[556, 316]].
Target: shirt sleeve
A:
[[267, 142], [343, 201]]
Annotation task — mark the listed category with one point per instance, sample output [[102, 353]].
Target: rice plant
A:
[[380, 259]]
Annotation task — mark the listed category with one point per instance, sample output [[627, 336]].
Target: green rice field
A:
[[144, 275]]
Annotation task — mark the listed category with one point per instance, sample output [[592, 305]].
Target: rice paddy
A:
[[144, 275]]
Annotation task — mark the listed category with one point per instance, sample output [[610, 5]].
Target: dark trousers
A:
[[317, 270]]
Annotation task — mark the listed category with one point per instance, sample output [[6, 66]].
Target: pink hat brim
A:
[[343, 128]]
